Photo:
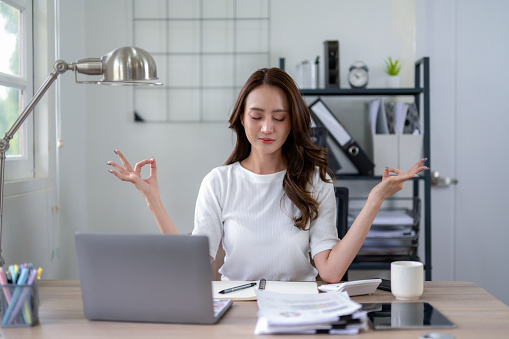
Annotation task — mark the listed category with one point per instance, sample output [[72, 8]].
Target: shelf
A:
[[381, 260], [341, 176], [362, 91]]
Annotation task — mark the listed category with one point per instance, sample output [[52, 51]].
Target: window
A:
[[16, 84]]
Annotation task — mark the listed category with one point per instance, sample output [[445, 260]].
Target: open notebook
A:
[[292, 287]]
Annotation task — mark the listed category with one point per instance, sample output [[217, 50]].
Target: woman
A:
[[272, 203]]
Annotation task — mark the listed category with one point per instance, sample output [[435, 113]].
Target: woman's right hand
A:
[[148, 187]]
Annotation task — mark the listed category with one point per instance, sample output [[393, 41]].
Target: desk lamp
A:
[[123, 66]]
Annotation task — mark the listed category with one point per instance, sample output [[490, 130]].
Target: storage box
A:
[[410, 150], [20, 305], [396, 150]]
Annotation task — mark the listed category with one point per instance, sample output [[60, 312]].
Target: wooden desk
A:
[[476, 313]]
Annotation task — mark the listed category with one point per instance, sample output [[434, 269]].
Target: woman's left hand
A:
[[391, 184]]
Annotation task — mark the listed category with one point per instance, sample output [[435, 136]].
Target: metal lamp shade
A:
[[128, 65]]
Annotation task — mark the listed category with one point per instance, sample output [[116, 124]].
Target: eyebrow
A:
[[262, 110]]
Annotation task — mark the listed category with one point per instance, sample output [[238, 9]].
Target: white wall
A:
[[72, 109]]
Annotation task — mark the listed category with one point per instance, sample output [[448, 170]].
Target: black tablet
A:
[[405, 315]]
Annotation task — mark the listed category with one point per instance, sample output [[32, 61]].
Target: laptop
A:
[[147, 278]]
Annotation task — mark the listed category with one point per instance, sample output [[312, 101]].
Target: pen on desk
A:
[[236, 288], [261, 286]]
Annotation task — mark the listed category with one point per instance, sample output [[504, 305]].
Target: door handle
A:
[[438, 181]]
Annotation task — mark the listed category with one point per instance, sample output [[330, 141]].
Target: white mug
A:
[[407, 279]]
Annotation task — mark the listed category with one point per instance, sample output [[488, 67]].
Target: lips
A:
[[266, 140]]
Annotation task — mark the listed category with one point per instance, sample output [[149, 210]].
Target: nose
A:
[[268, 126]]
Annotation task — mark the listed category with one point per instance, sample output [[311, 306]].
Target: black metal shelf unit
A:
[[421, 94]]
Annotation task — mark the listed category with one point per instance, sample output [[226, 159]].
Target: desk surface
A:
[[476, 313]]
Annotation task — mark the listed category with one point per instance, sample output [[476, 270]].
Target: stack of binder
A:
[[322, 117]]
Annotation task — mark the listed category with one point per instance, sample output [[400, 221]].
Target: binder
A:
[[323, 117], [319, 135]]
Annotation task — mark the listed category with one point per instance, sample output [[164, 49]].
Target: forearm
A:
[[341, 256], [166, 225]]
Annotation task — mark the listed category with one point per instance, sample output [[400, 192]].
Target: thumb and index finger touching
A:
[[411, 173], [126, 168]]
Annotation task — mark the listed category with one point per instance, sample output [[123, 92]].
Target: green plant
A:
[[392, 67]]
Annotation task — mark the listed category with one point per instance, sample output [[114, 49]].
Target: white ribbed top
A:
[[248, 212]]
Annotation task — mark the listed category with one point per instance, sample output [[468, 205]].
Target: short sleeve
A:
[[208, 211], [323, 232]]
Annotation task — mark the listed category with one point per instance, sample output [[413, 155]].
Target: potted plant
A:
[[392, 68]]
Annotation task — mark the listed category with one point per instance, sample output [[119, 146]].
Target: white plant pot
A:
[[393, 81]]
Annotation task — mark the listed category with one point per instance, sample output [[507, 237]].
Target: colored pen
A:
[[3, 280], [13, 273], [236, 288], [9, 277], [39, 272]]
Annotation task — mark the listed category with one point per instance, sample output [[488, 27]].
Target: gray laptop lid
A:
[[145, 277]]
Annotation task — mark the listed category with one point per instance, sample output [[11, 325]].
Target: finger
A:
[[153, 167], [123, 160], [396, 170], [117, 167], [118, 175], [419, 166], [404, 177], [385, 173], [139, 165]]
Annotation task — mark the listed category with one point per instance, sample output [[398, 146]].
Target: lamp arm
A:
[[59, 67]]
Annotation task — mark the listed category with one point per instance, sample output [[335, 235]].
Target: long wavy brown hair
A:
[[301, 154]]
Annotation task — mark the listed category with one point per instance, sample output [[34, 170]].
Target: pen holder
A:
[[20, 305]]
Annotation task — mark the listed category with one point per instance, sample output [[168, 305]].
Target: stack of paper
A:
[[393, 217], [325, 313]]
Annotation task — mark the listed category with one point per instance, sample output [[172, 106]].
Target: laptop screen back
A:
[[145, 277]]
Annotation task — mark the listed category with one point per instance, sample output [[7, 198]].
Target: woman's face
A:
[[266, 120]]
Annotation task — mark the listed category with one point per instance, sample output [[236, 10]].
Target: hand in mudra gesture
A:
[[391, 184], [148, 187]]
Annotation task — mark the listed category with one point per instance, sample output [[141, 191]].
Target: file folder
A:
[[319, 135], [323, 117]]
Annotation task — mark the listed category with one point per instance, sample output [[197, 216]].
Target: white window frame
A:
[[22, 167]]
